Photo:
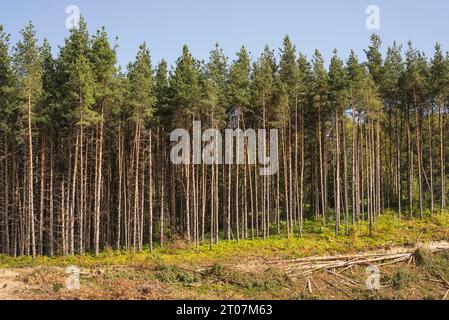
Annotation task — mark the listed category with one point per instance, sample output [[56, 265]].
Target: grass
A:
[[389, 230]]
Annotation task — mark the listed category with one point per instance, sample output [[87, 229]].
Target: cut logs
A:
[[298, 267]]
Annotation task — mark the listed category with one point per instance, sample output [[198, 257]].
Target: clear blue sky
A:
[[167, 25]]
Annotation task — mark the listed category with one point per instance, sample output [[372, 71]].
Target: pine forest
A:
[[85, 145]]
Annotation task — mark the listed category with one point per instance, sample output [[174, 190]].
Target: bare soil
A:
[[11, 288]]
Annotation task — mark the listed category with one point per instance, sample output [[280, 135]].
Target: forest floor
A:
[[412, 258]]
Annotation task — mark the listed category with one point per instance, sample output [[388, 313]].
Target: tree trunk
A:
[[31, 182]]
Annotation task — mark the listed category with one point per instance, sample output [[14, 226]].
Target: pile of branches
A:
[[304, 266]]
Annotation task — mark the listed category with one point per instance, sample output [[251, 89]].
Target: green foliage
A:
[[28, 66], [363, 93], [374, 59], [161, 88], [435, 265], [174, 274], [320, 80], [75, 78], [289, 72], [103, 60], [239, 81], [281, 109], [268, 281], [439, 76], [392, 73], [401, 280], [7, 90], [140, 93], [391, 230], [47, 113], [81, 78], [57, 287], [214, 88], [263, 84], [415, 78], [217, 269], [184, 88], [338, 92]]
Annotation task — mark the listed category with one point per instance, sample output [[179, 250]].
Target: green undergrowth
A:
[[267, 280], [173, 274], [318, 239]]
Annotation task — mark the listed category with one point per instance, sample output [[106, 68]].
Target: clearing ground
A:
[[10, 285], [405, 273], [412, 258]]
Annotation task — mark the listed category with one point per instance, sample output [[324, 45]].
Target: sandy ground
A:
[[10, 286]]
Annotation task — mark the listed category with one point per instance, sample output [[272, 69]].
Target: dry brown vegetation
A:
[[423, 275]]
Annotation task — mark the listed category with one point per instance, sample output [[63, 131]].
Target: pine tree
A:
[[29, 68], [289, 76], [304, 78], [374, 59], [415, 86], [7, 114], [103, 59], [141, 101], [184, 95], [162, 119], [355, 75], [439, 89], [338, 98], [391, 92], [239, 81], [214, 104], [117, 123], [321, 106], [263, 86], [371, 111], [239, 102]]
